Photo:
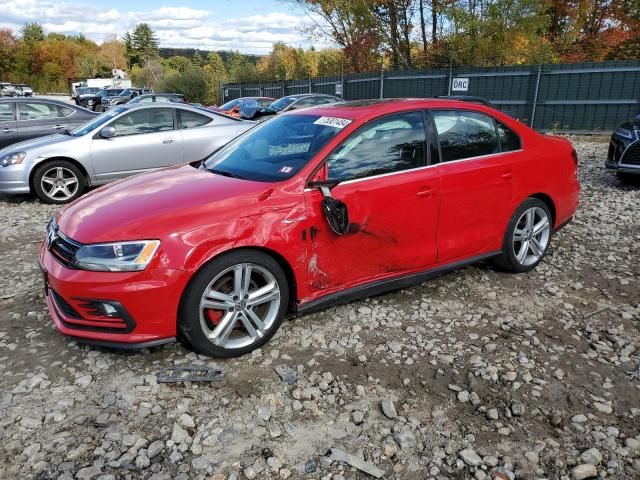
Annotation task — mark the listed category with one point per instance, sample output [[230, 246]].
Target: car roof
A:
[[374, 108], [183, 106], [37, 100]]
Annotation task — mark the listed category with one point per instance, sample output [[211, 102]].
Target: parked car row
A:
[[101, 100], [15, 90], [124, 140], [260, 108], [250, 222]]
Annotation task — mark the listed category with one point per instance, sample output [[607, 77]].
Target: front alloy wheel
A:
[[527, 238], [234, 304], [58, 181]]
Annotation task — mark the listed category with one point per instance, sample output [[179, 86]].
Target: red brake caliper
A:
[[214, 316]]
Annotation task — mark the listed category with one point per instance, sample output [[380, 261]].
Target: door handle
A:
[[6, 130], [425, 192], [167, 140], [59, 127], [507, 175]]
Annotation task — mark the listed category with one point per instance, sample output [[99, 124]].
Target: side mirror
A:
[[108, 132], [335, 211]]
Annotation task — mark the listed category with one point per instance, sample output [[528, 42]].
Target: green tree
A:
[[143, 44], [197, 59], [32, 32], [178, 63], [192, 84]]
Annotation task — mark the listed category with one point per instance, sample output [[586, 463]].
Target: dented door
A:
[[392, 203]]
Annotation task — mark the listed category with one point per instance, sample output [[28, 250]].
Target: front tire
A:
[[527, 238], [234, 304], [58, 182]]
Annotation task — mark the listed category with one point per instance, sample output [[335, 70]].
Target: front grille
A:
[[64, 249], [632, 154]]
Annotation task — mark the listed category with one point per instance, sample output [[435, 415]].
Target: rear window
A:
[[187, 119]]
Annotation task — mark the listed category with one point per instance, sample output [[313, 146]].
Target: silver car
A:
[[123, 141]]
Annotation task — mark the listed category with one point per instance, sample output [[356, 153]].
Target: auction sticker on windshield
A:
[[333, 122]]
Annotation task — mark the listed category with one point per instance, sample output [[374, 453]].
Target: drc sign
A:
[[460, 85]]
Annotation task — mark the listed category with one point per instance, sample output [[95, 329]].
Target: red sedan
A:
[[314, 207]]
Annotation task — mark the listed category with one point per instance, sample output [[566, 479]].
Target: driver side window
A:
[[149, 120], [390, 144]]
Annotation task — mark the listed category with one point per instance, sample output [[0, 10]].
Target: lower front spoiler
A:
[[122, 345], [623, 169]]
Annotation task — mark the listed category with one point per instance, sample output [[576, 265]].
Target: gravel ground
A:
[[477, 374]]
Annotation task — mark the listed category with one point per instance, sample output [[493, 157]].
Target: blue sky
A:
[[250, 26]]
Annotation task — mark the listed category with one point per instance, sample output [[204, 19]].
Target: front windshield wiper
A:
[[226, 173]]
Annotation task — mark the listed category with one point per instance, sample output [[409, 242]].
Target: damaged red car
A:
[[314, 207]]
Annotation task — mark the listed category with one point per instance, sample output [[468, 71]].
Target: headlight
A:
[[116, 257], [623, 132], [12, 158]]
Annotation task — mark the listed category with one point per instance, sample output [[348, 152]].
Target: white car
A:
[[123, 141]]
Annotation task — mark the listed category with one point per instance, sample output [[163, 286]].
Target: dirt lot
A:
[[477, 374]]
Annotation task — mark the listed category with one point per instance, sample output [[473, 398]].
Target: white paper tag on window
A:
[[332, 122]]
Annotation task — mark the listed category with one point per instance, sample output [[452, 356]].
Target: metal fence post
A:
[[450, 78], [535, 95], [381, 80], [310, 89]]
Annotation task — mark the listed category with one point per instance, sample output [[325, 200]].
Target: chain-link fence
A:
[[570, 98]]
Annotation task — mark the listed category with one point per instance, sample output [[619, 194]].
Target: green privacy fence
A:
[[572, 98]]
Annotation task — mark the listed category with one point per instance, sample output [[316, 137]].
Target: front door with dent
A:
[[392, 198], [145, 139]]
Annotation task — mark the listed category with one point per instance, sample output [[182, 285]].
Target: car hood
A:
[[47, 140], [158, 204]]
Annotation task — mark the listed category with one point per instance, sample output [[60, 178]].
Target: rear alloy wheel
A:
[[527, 238], [234, 304], [58, 181]]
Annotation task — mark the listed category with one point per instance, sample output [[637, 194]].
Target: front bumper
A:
[[148, 303], [14, 179]]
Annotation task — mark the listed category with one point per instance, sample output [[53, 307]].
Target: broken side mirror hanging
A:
[[335, 211]]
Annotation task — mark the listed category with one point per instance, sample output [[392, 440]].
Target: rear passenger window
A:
[[66, 111], [509, 140], [391, 144], [191, 119], [464, 134], [6, 112]]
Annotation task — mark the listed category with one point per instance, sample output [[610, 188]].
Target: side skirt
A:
[[381, 286]]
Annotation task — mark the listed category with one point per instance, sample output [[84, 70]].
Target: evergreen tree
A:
[[32, 32], [144, 43]]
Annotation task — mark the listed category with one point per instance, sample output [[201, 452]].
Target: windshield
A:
[[96, 122], [230, 105], [111, 93], [125, 93], [282, 103], [273, 151]]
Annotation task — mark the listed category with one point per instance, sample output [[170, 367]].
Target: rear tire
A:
[[527, 238], [234, 304], [58, 182]]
